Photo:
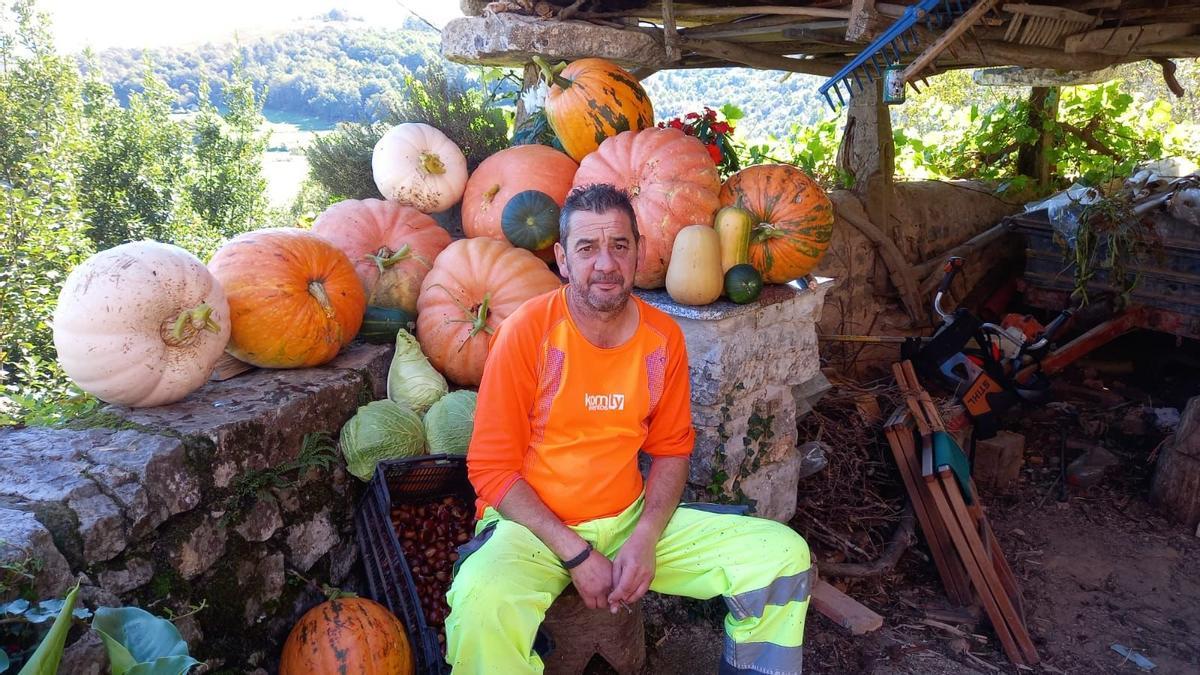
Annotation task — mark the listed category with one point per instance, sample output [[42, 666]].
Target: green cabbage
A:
[[380, 430], [412, 380], [449, 423]]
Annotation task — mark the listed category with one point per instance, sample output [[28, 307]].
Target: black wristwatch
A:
[[578, 560]]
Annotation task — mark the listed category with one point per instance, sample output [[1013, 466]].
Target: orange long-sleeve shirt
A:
[[569, 417]]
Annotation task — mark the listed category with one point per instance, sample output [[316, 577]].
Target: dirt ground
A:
[[1098, 569]]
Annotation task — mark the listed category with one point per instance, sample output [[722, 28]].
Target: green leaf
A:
[[46, 657], [4, 662], [16, 607], [731, 112], [134, 636]]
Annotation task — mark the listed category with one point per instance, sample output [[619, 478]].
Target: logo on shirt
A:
[[595, 402]]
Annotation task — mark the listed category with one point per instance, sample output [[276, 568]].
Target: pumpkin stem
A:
[[432, 164], [551, 73], [765, 231], [190, 322], [384, 261], [491, 193], [317, 290], [477, 319], [480, 323]]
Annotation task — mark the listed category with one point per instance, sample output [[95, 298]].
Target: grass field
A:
[[284, 164]]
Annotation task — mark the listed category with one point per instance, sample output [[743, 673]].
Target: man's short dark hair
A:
[[596, 198]]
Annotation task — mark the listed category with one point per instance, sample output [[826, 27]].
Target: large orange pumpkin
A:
[[591, 100], [347, 635], [391, 245], [793, 219], [671, 181], [473, 286], [294, 298], [503, 175]]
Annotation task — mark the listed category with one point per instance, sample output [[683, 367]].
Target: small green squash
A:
[[380, 324], [743, 283], [734, 224], [530, 220]]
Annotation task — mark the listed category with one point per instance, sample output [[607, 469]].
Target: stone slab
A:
[[508, 39], [259, 419], [24, 540], [95, 490]]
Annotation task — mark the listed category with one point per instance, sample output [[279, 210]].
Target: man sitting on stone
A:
[[577, 382]]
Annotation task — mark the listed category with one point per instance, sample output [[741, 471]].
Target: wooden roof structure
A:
[[821, 37]]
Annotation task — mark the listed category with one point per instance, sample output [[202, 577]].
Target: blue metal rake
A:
[[890, 47]]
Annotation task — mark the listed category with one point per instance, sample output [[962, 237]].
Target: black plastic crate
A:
[[408, 481]]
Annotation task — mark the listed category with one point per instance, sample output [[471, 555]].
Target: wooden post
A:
[[529, 80], [1033, 159], [868, 154], [1176, 486]]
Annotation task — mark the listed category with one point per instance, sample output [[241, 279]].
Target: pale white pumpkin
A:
[[141, 324], [416, 165]]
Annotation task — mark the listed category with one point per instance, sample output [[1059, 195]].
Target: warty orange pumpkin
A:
[[473, 286], [793, 219], [294, 298], [347, 635], [671, 182], [391, 245], [591, 100]]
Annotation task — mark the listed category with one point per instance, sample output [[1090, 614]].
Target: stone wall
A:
[[215, 502], [754, 370]]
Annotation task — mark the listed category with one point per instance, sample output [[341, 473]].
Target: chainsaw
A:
[[991, 367]]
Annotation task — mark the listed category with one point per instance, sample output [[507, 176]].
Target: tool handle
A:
[[1051, 331], [1057, 325], [952, 268]]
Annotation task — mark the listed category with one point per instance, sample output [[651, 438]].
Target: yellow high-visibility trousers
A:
[[507, 578]]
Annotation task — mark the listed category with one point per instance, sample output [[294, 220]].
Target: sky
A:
[[158, 23]]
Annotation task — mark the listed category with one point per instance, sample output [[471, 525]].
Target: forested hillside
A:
[[334, 69], [337, 69]]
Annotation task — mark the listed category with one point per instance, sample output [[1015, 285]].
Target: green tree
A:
[[226, 188], [42, 234], [134, 163]]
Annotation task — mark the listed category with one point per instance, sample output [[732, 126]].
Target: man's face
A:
[[599, 258]]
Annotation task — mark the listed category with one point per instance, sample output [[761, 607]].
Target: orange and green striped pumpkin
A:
[[793, 219], [347, 635], [591, 100]]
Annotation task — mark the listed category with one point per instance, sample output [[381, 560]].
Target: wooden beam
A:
[[1121, 41], [768, 10], [863, 18], [843, 610], [952, 34], [756, 58], [670, 34]]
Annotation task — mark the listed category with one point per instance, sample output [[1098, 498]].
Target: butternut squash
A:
[[733, 225], [694, 275]]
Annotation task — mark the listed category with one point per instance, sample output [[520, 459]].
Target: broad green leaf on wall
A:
[[135, 638]]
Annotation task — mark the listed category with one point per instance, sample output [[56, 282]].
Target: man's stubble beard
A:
[[599, 305]]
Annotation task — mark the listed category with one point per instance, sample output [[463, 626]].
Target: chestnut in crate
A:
[[430, 535]]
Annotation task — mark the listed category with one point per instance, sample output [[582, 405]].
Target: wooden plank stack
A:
[[964, 547]]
